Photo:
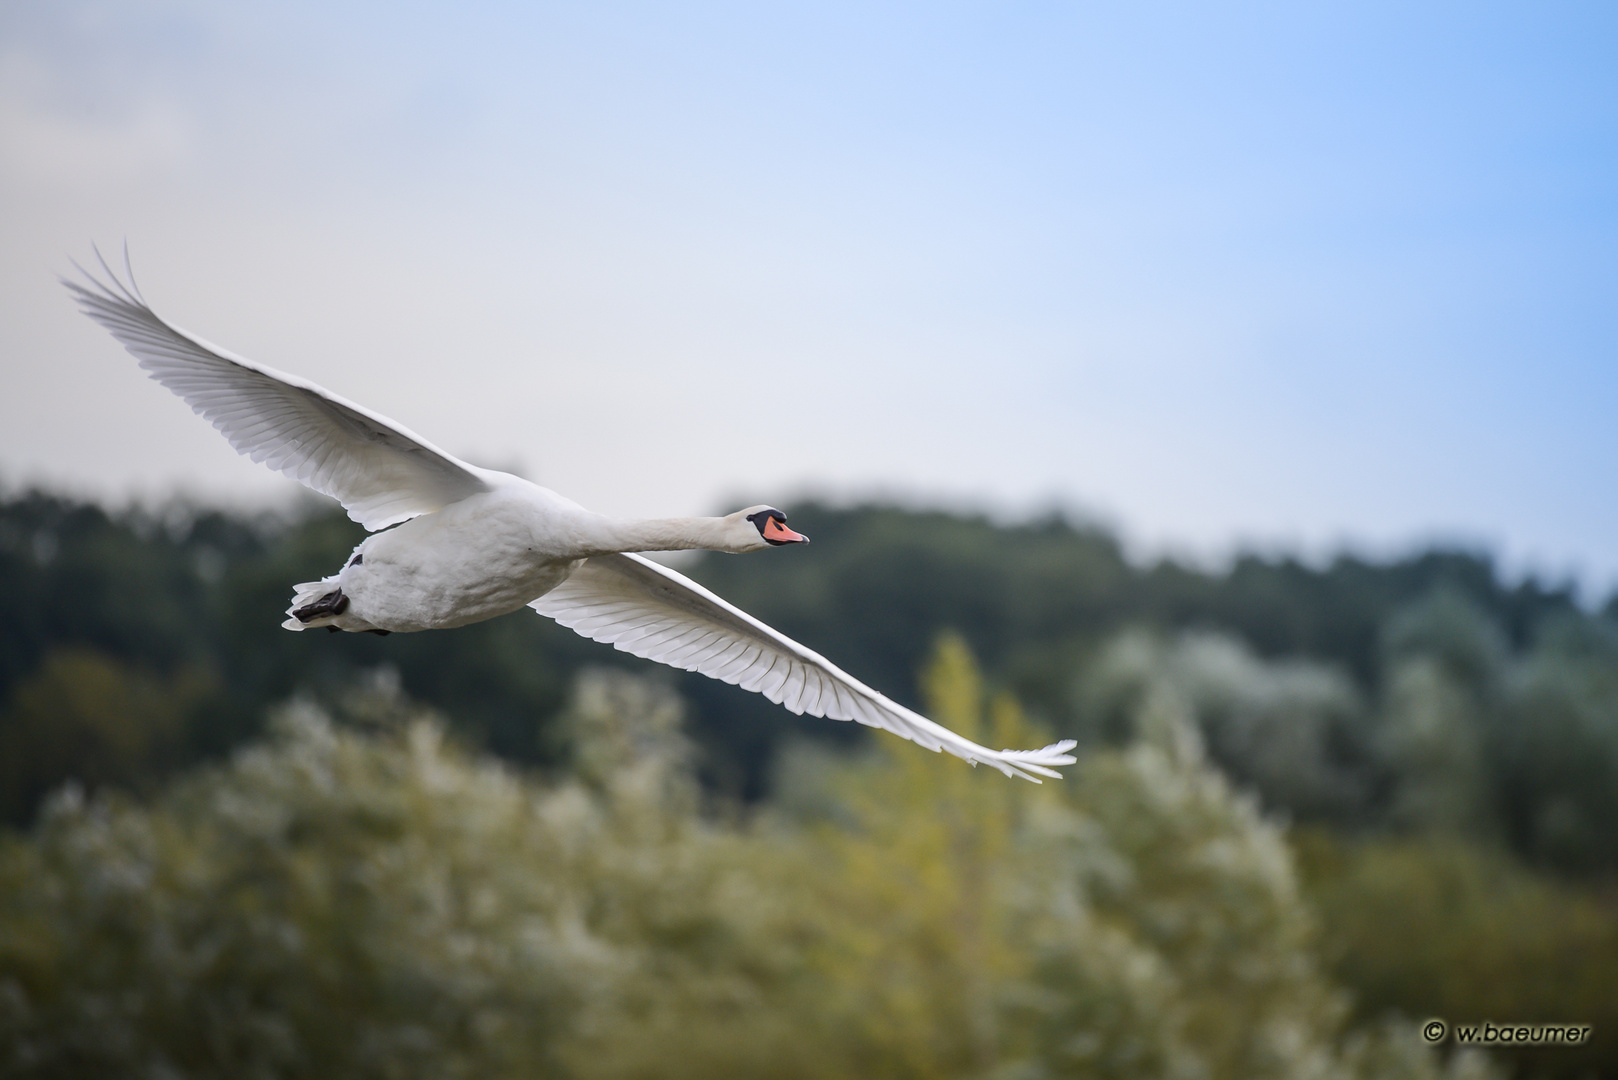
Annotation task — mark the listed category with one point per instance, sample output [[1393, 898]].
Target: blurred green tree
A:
[[87, 717], [1434, 741], [1439, 926], [1294, 732], [373, 902], [184, 589], [1556, 749]]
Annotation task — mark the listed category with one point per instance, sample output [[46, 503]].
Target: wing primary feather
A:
[[381, 472], [813, 687], [759, 681], [738, 668], [129, 271], [844, 700], [128, 294]]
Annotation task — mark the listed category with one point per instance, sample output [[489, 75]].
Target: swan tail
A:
[[311, 606]]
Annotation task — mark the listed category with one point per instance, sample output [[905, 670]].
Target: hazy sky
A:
[[1293, 276]]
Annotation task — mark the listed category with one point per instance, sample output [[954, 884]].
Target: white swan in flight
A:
[[458, 544]]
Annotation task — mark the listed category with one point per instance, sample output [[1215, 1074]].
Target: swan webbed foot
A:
[[333, 603]]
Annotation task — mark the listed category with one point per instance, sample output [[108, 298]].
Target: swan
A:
[[452, 543]]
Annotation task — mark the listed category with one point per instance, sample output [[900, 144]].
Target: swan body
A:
[[494, 552], [486, 555], [454, 544]]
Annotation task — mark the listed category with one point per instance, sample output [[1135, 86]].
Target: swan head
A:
[[763, 526]]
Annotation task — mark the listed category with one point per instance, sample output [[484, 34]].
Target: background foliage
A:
[[380, 904], [1435, 751]]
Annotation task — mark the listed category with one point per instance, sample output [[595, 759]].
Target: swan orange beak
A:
[[777, 533]]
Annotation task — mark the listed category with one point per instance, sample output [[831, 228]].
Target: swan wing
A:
[[646, 609], [381, 472]]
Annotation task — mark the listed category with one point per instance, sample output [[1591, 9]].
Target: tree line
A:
[[1426, 754]]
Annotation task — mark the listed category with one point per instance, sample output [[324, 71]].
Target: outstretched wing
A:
[[651, 611], [381, 472]]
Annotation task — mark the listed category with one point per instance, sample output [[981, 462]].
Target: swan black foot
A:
[[333, 603]]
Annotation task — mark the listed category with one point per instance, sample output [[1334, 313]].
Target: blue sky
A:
[[1294, 277]]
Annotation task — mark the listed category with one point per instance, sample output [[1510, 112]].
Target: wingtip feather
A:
[[1043, 761]]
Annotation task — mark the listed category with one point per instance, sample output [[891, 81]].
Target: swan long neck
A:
[[668, 534]]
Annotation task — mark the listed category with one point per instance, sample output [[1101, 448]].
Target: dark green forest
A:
[[1424, 753]]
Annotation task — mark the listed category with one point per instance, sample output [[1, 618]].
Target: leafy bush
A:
[[376, 903], [1294, 732], [90, 716], [1444, 928]]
